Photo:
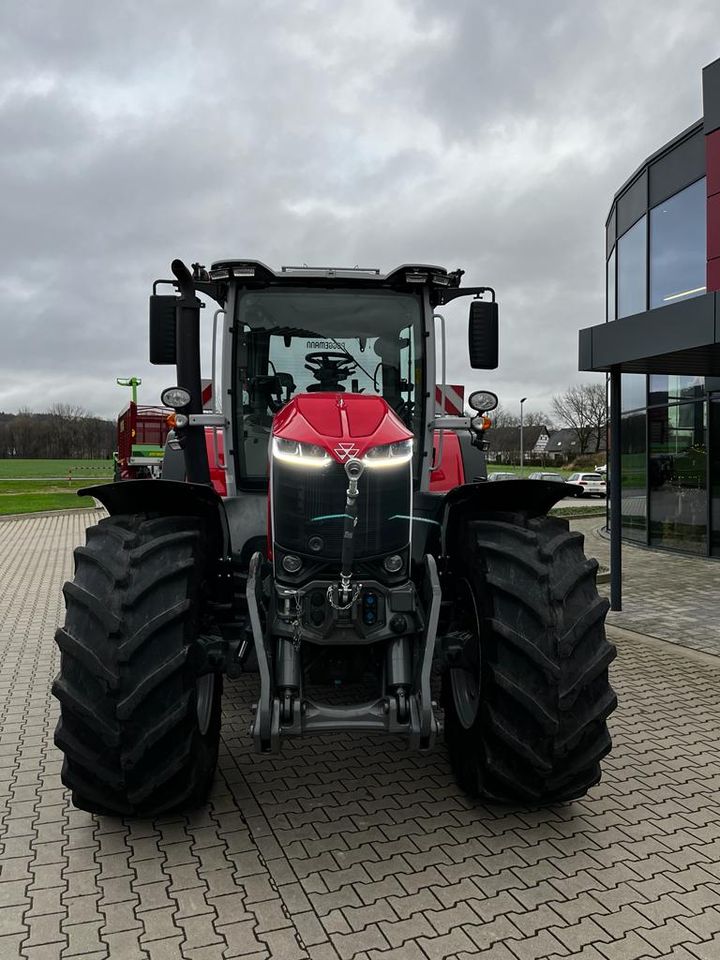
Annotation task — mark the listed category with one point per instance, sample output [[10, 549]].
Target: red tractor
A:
[[357, 548]]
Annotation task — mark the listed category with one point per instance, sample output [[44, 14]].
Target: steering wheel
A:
[[329, 368]]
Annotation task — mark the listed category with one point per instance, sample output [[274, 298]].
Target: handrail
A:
[[441, 441], [213, 387]]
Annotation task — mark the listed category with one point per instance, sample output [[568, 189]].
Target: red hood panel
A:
[[345, 424]]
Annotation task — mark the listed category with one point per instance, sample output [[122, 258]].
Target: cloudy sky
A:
[[486, 134]]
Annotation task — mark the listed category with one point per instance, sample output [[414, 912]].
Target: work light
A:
[[175, 397]]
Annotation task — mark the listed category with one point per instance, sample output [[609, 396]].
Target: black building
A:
[[661, 338]]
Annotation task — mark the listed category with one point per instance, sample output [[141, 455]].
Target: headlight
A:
[[301, 454], [389, 454]]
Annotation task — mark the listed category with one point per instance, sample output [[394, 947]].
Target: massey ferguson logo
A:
[[346, 451]]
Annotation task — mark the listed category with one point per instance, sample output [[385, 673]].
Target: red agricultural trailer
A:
[[141, 434]]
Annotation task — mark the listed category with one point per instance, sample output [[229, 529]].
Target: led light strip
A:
[[683, 293]]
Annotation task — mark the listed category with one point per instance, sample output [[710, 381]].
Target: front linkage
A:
[[405, 706]]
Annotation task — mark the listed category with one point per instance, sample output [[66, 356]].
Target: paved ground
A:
[[676, 598], [356, 850]]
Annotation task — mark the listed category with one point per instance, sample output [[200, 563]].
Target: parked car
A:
[[546, 476], [593, 484], [502, 476]]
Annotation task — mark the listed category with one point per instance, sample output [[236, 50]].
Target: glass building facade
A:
[[670, 426], [659, 343]]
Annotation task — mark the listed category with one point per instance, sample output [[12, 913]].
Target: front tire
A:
[[139, 723], [527, 701]]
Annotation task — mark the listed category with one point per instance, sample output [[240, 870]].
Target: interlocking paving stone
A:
[[666, 595], [356, 849]]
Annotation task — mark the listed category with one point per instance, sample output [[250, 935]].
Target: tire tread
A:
[[541, 729], [128, 724]]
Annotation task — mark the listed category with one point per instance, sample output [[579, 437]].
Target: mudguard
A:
[[534, 497], [474, 500], [168, 498]]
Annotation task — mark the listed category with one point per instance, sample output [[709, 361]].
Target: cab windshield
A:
[[300, 340]]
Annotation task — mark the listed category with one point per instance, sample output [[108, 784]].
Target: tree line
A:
[[63, 432]]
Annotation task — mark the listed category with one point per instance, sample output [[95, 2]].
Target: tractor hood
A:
[[345, 425]]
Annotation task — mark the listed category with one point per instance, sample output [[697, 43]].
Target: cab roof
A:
[[406, 275]]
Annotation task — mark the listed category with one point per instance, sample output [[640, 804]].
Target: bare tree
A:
[[501, 417], [537, 418], [583, 409]]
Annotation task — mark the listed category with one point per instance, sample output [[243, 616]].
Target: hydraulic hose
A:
[[354, 470]]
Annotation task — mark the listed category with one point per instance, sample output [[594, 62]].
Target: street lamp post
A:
[[522, 449]]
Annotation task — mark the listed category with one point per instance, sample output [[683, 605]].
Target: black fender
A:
[[168, 498], [534, 497], [468, 502]]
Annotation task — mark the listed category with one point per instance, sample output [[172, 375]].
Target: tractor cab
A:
[[292, 340], [336, 331]]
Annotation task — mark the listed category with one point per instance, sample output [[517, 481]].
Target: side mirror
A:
[[162, 328], [483, 335]]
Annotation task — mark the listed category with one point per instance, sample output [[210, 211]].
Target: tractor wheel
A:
[[139, 725], [526, 694]]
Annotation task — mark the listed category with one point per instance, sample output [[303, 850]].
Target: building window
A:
[[677, 477], [633, 477], [633, 391], [610, 287], [677, 246], [632, 270], [666, 388]]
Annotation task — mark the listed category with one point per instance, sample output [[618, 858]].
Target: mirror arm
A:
[[450, 423], [445, 296], [214, 289]]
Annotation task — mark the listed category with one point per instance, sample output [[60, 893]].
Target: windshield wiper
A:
[[348, 354]]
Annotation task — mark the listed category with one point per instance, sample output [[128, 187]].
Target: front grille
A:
[[310, 503]]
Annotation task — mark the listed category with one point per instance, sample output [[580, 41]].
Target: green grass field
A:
[[56, 468], [28, 486], [43, 485], [36, 502]]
